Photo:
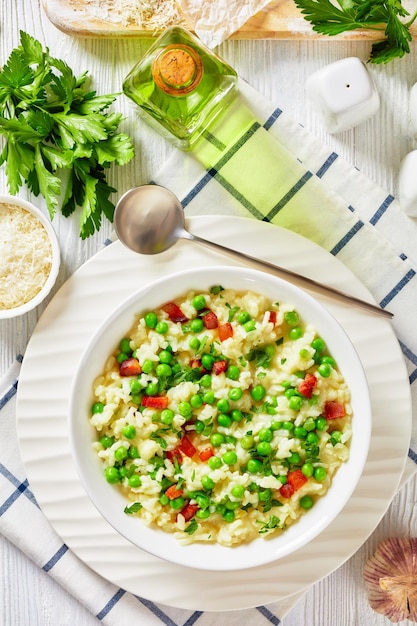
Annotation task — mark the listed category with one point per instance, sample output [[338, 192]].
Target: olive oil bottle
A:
[[181, 86]]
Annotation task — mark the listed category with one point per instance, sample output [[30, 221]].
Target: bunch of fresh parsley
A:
[[389, 16], [56, 130]]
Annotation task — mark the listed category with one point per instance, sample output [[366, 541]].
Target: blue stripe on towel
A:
[[398, 287], [158, 612], [272, 118], [56, 557], [21, 487], [110, 604], [347, 238], [381, 210], [273, 619], [327, 164]]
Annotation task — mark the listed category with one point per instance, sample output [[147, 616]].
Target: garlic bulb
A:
[[391, 578]]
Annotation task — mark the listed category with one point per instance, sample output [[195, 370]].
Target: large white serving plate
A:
[[57, 344]]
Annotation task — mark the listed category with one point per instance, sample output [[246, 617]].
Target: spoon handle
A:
[[304, 280]]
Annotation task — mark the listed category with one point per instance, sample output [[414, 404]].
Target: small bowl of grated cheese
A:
[[29, 256]]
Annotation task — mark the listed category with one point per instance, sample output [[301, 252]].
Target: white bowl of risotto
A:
[[29, 256], [220, 418]]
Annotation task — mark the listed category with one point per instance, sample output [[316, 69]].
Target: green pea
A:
[[235, 394], [236, 415], [167, 416], [124, 345], [203, 513], [207, 482], [258, 393], [254, 466], [147, 366], [133, 452], [209, 397], [304, 354], [199, 426], [194, 343], [207, 361], [205, 381], [112, 475], [185, 409], [295, 403], [223, 405], [247, 442], [294, 458], [233, 372], [229, 516], [122, 356], [306, 502], [324, 369], [106, 441], [231, 439], [120, 453], [196, 401], [98, 407], [135, 386], [276, 425], [198, 302], [320, 474], [231, 505], [321, 423], [163, 499], [163, 370], [318, 344], [217, 439], [264, 448], [296, 333], [243, 317], [335, 437], [265, 434], [238, 491], [309, 424], [329, 360], [129, 431], [151, 319], [229, 457], [196, 325], [224, 420], [308, 470], [162, 327], [165, 356], [249, 326], [292, 318], [203, 501], [264, 495], [177, 503], [312, 438], [151, 389], [287, 425], [300, 432], [214, 462], [134, 481]]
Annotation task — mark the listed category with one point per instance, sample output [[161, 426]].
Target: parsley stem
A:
[[411, 20]]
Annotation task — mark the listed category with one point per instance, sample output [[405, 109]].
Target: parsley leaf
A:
[[59, 137], [385, 16]]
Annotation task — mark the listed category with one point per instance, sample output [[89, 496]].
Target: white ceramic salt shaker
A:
[[407, 184], [344, 93]]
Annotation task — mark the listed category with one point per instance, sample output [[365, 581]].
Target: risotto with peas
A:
[[222, 416]]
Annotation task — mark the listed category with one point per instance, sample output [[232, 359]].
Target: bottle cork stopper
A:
[[177, 69]]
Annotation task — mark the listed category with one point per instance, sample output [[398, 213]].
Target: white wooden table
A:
[[278, 69]]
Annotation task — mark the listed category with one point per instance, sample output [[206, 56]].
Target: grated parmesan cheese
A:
[[147, 14], [25, 256]]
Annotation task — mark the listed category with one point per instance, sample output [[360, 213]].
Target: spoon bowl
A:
[[150, 219]]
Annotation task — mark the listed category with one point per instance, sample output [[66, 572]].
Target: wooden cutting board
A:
[[280, 19]]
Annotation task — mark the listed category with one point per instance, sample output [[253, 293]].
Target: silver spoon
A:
[[150, 219]]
